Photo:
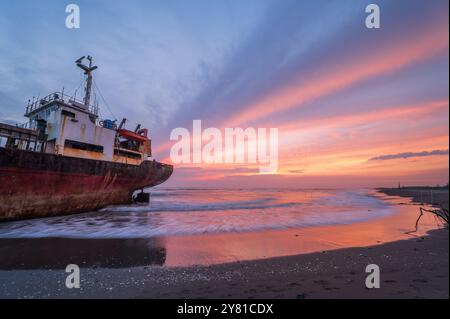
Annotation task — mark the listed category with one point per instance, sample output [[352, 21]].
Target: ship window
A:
[[67, 113], [83, 146], [127, 154]]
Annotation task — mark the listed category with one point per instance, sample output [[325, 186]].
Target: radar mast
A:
[[88, 72]]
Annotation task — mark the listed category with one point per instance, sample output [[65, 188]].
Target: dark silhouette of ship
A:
[[67, 160]]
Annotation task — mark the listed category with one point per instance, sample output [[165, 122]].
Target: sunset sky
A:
[[353, 106]]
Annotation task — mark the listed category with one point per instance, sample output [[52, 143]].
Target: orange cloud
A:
[[336, 156], [389, 59], [386, 113]]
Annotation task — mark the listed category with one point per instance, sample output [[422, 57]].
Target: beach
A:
[[411, 266], [416, 268], [436, 196]]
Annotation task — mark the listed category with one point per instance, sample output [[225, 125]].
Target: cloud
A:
[[409, 155], [389, 58], [296, 171], [149, 67]]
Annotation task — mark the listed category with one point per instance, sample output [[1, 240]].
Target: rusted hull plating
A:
[[36, 184]]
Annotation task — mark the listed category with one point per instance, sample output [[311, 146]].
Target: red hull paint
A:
[[39, 185]]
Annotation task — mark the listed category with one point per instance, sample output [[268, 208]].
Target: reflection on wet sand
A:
[[231, 247], [57, 253], [206, 248]]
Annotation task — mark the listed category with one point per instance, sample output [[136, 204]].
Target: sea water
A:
[[179, 211], [182, 227]]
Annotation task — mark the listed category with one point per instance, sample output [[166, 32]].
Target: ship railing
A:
[[37, 103], [31, 125]]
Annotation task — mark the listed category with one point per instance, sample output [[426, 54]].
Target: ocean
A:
[[173, 212], [207, 226]]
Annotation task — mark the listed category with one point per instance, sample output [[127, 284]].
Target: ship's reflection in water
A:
[[57, 253]]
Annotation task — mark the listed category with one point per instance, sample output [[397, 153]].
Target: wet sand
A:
[[413, 266], [212, 248]]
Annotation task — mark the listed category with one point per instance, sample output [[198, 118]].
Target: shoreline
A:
[[414, 268], [410, 268], [211, 248], [435, 196]]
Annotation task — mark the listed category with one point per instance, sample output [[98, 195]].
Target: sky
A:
[[354, 107]]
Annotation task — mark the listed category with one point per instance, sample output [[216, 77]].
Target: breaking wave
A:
[[264, 203], [189, 212]]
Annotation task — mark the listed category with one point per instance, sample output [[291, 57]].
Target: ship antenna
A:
[[88, 72]]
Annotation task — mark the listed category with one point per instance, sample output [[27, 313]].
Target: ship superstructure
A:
[[70, 127]]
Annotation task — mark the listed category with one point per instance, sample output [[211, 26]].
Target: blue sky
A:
[[153, 55]]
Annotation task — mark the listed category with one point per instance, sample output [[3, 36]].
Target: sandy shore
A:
[[413, 268], [436, 196], [416, 268]]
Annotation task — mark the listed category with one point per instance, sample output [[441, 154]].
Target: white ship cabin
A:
[[72, 128]]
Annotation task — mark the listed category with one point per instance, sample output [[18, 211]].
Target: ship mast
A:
[[88, 72]]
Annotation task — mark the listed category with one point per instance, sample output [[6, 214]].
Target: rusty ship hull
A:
[[35, 184]]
